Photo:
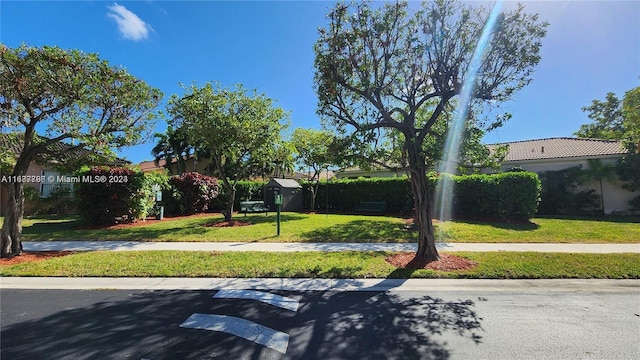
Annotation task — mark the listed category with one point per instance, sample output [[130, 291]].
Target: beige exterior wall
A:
[[354, 174], [615, 197]]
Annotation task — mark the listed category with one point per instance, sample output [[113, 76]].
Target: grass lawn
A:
[[496, 265], [297, 227]]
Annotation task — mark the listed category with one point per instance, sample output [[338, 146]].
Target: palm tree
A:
[[172, 145], [597, 171]]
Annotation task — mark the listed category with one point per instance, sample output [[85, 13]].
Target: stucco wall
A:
[[615, 197]]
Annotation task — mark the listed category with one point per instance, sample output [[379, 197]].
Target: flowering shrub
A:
[[193, 192]]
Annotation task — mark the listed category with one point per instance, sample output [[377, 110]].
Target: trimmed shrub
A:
[[108, 196], [510, 195], [192, 193], [346, 194]]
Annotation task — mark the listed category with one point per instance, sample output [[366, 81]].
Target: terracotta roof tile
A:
[[554, 148]]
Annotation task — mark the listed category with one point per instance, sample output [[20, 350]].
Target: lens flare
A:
[[444, 191]]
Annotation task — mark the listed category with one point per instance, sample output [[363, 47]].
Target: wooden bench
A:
[[372, 206], [253, 207]]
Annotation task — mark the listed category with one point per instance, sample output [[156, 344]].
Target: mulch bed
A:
[[33, 256], [148, 221], [446, 262]]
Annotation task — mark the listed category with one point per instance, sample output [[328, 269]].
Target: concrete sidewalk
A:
[[295, 247]]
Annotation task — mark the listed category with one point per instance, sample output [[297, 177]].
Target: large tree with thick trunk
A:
[[50, 96], [396, 69]]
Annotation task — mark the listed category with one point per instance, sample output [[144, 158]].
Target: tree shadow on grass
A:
[[516, 226], [261, 218], [368, 231]]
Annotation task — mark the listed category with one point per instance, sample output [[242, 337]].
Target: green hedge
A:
[[512, 195], [346, 194]]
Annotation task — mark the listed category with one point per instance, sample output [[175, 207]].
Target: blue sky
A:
[[592, 47]]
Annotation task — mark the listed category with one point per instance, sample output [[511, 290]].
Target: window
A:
[[51, 184]]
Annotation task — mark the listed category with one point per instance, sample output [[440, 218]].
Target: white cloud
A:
[[129, 24]]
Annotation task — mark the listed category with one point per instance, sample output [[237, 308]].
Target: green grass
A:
[[294, 227], [340, 228], [497, 265], [543, 230]]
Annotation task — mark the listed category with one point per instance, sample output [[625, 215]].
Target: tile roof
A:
[[6, 142], [562, 147]]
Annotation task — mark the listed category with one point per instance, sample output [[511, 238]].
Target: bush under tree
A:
[[193, 192]]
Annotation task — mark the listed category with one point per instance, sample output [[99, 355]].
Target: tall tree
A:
[[607, 119], [314, 151], [631, 119], [49, 95], [614, 119], [377, 68], [240, 131]]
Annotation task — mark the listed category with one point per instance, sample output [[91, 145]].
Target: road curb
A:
[[480, 285]]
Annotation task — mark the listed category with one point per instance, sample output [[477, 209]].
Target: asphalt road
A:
[[170, 324]]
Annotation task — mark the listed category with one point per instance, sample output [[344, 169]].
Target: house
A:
[[190, 165], [560, 153], [46, 176]]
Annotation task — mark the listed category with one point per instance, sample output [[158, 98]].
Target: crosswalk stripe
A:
[[245, 329], [265, 297]]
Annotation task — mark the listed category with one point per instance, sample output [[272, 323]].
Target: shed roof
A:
[[286, 183], [563, 147]]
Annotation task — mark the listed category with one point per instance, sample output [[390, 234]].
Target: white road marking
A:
[[265, 297], [246, 329]]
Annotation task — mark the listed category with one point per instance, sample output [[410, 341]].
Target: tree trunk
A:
[[314, 193], [231, 197], [11, 233], [427, 251], [423, 203]]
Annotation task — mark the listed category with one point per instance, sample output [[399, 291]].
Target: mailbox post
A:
[[278, 203], [159, 209]]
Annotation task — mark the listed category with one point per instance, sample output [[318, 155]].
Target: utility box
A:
[[290, 191]]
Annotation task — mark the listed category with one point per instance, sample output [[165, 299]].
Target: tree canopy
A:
[[239, 130], [614, 119], [315, 150], [389, 69], [49, 96]]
